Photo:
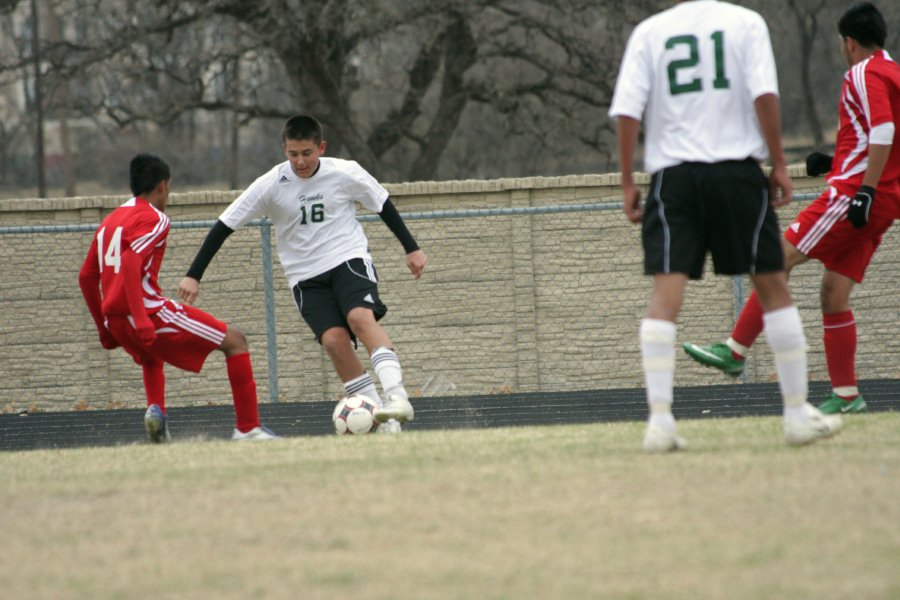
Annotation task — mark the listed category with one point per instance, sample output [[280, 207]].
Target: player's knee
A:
[[833, 299], [335, 340], [235, 341], [359, 319]]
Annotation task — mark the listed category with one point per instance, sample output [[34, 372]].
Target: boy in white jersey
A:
[[311, 200], [702, 75]]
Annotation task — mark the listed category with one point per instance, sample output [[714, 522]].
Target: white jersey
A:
[[695, 70], [315, 218]]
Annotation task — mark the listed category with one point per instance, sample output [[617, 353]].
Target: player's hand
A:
[[146, 331], [781, 188], [818, 163], [107, 340], [631, 203], [416, 261], [858, 210], [188, 290]]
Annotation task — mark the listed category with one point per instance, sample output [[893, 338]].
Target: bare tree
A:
[[806, 16], [419, 89], [157, 63]]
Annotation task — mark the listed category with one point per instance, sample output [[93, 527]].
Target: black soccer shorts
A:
[[325, 300], [721, 208]]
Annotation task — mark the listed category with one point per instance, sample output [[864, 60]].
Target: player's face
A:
[[303, 156], [164, 189], [845, 51]]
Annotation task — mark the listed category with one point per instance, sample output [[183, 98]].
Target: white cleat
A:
[[815, 426], [256, 434], [395, 407], [390, 427], [658, 440]]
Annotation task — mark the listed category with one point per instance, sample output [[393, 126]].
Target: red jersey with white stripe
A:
[[139, 227], [870, 97]]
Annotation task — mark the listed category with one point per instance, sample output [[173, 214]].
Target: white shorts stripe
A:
[[667, 241], [837, 208], [190, 325]]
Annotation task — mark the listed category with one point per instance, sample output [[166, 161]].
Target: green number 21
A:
[[695, 85]]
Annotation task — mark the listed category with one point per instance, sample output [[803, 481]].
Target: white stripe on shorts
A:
[[667, 240], [190, 325], [370, 270], [837, 208]]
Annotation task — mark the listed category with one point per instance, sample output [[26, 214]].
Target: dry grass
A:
[[550, 512]]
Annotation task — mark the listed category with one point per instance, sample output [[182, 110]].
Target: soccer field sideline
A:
[[125, 426]]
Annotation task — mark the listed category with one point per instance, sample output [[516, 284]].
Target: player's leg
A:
[[355, 285], [657, 339], [243, 387], [385, 361], [803, 423], [674, 247], [320, 309], [187, 335], [154, 383], [730, 356], [846, 253], [839, 340], [155, 420]]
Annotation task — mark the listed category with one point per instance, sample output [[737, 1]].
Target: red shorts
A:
[[823, 232], [184, 336]]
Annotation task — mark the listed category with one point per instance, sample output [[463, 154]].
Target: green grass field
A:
[[545, 512]]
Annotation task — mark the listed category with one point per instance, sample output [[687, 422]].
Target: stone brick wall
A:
[[547, 302]]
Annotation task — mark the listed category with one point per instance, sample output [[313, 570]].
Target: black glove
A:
[[858, 211], [818, 163]]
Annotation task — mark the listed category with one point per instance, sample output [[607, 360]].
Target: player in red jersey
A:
[[119, 281], [844, 226]]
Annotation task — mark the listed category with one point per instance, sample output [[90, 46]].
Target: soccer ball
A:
[[354, 416]]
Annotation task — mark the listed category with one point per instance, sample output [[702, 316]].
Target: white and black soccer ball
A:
[[354, 415]]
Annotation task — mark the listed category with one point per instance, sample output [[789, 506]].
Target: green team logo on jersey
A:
[[692, 60]]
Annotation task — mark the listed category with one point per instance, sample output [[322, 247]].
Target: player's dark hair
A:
[[146, 172], [865, 24], [302, 127]]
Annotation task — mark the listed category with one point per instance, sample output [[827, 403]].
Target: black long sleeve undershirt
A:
[[214, 240], [395, 223], [220, 232]]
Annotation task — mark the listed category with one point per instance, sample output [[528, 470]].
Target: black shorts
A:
[[326, 300], [720, 208]]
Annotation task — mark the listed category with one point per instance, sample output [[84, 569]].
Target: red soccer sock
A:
[[840, 348], [750, 322], [243, 390], [155, 384]]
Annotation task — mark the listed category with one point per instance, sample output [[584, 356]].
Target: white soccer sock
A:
[[784, 332], [386, 365], [658, 358], [737, 348], [364, 385]]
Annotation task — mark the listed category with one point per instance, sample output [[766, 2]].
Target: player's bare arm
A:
[[627, 131], [416, 261], [188, 290], [768, 113], [878, 158]]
